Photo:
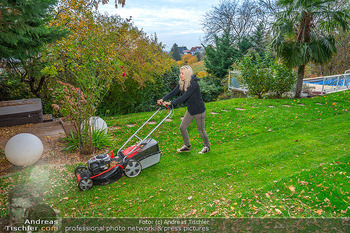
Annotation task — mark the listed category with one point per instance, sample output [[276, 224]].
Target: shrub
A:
[[209, 89], [11, 87], [256, 74], [73, 104], [283, 79], [133, 98], [99, 139], [263, 75], [202, 74]]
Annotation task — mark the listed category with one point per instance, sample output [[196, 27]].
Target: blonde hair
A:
[[188, 75]]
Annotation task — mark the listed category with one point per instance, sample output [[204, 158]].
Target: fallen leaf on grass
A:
[[268, 194], [292, 189], [302, 182], [193, 212], [214, 213], [319, 212], [278, 211]]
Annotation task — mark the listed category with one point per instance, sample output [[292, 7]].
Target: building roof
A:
[[193, 49]]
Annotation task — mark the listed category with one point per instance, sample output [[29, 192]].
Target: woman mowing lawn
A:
[[190, 93]]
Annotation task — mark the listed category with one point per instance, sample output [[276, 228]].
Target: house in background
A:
[[182, 49], [197, 49], [193, 51], [185, 52]]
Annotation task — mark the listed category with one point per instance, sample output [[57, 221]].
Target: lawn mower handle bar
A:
[[141, 140]]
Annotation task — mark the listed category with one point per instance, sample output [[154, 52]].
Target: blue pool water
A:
[[331, 82]]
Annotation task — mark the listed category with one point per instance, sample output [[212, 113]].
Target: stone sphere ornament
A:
[[24, 149]]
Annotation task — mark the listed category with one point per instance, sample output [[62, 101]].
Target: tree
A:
[[220, 58], [304, 32], [117, 2], [95, 3], [102, 49], [235, 17], [220, 19], [175, 52], [341, 61], [269, 7], [244, 44], [24, 28], [101, 52], [258, 41], [187, 59]]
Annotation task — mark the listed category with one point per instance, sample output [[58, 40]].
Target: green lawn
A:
[[270, 157]]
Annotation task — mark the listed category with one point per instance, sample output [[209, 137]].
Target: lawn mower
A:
[[106, 168]]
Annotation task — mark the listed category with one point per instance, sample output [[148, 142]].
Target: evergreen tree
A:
[[175, 52], [220, 58], [24, 27], [244, 44], [258, 41]]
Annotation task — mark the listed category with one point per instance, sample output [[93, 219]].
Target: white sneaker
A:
[[184, 149], [204, 150]]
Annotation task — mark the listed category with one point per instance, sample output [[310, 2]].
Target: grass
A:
[[270, 157]]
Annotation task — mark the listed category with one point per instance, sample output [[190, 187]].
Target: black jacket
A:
[[192, 97]]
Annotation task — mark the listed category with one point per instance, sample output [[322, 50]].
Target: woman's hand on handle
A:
[[159, 102], [166, 103]]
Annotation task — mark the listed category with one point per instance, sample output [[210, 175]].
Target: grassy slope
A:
[[274, 158]]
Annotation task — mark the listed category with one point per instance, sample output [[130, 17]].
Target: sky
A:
[[174, 21]]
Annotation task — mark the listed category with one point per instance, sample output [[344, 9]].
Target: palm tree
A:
[[304, 32]]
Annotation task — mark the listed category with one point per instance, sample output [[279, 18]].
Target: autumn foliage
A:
[[187, 59], [99, 52], [103, 48]]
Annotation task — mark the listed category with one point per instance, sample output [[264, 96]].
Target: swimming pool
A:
[[328, 84], [343, 80]]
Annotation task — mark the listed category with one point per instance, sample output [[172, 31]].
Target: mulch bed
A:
[[51, 134]]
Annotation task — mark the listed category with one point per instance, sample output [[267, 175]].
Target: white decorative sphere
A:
[[24, 149], [98, 123]]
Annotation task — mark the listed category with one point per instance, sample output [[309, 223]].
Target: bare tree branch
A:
[[237, 18]]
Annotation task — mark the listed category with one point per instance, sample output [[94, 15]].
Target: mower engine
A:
[[99, 163]]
